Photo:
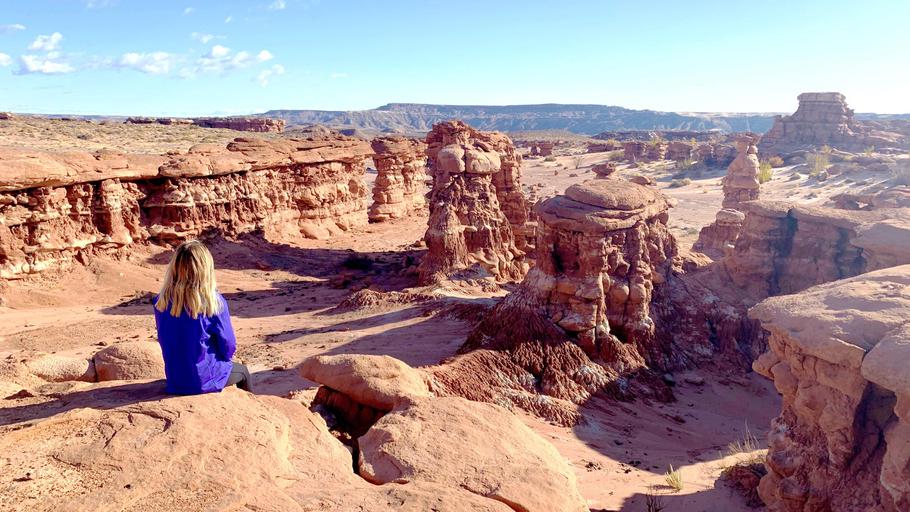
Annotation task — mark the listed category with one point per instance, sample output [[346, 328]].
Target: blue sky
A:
[[196, 57]]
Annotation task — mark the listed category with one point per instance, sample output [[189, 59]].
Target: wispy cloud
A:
[[277, 5], [100, 4], [51, 64], [188, 11], [46, 43], [13, 27], [155, 63], [5, 60], [228, 19], [202, 38], [265, 76], [336, 75]]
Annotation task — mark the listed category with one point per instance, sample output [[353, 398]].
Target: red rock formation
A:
[[655, 150], [740, 185], [601, 249], [401, 178], [58, 207], [679, 151], [475, 181], [6, 116], [823, 118], [633, 150], [604, 170], [542, 148], [838, 357], [243, 124]]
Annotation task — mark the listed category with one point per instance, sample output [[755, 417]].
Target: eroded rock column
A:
[[400, 181], [468, 228]]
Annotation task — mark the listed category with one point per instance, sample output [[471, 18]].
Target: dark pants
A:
[[240, 376]]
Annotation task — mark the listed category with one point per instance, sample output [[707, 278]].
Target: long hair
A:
[[189, 283]]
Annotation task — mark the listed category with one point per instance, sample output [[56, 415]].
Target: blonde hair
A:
[[189, 283]]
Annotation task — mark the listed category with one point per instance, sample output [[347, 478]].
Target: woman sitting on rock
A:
[[194, 326]]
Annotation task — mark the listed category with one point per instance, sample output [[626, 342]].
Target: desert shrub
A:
[[869, 150], [685, 165], [680, 183], [674, 479], [900, 174], [764, 172], [819, 160], [550, 158], [614, 156], [776, 161], [356, 262]]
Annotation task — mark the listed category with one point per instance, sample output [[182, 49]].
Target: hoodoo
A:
[[585, 306], [739, 185], [400, 180], [468, 227]]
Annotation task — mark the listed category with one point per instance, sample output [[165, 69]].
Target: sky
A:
[[196, 57]]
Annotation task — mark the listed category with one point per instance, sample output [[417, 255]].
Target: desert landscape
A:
[[535, 308]]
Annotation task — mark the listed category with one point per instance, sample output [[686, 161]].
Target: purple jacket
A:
[[197, 352]]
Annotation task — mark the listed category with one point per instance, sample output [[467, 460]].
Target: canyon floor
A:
[[285, 298]]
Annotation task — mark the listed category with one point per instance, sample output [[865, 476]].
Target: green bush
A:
[[680, 183], [550, 158], [776, 161], [764, 172], [819, 161], [685, 165]]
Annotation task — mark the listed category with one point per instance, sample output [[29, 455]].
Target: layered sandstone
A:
[[785, 248], [739, 185], [57, 207], [633, 150], [838, 357], [823, 118], [475, 182], [244, 124], [581, 318], [400, 178]]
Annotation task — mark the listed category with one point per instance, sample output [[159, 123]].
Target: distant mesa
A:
[[243, 124]]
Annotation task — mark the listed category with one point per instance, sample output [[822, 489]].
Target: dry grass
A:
[[77, 135], [674, 479], [765, 172]]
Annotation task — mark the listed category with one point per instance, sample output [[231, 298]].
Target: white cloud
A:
[[202, 38], [8, 29], [46, 43], [48, 65], [336, 75], [277, 5], [188, 11], [264, 55], [219, 51], [5, 60], [155, 63], [265, 76], [99, 4], [228, 19]]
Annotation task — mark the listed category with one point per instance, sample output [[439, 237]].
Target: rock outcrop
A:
[[633, 150], [838, 357], [739, 186], [133, 360], [59, 207], [783, 248], [473, 186], [116, 447], [604, 170], [580, 320], [400, 179], [243, 124], [679, 151], [410, 437], [823, 118]]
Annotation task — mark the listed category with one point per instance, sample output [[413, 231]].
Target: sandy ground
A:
[[283, 297]]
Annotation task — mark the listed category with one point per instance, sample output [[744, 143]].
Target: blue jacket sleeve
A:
[[222, 332]]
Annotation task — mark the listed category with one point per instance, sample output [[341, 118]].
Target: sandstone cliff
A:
[[55, 208]]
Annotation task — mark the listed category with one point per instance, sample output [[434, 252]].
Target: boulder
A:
[[380, 382], [130, 360], [478, 447], [57, 368]]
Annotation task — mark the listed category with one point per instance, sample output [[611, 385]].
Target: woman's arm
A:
[[222, 332]]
